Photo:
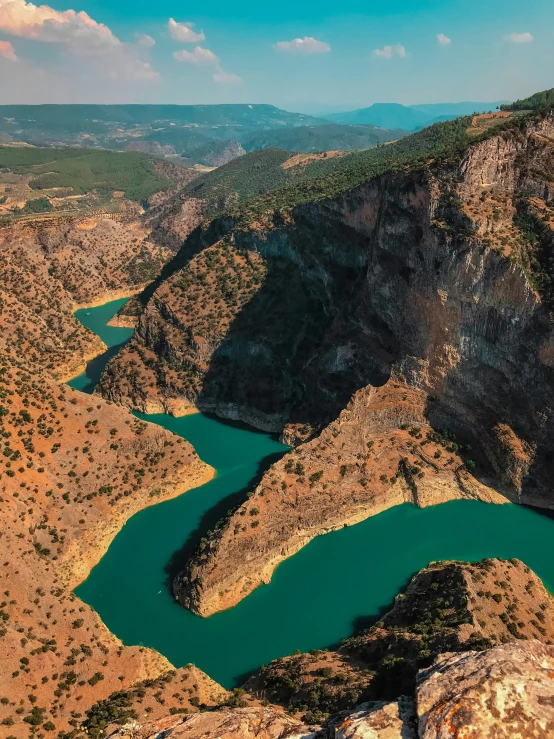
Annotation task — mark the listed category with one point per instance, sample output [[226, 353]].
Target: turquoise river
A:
[[318, 597]]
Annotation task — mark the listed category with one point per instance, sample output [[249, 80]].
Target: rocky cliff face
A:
[[500, 693], [431, 285]]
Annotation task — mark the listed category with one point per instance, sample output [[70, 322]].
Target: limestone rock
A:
[[239, 723], [395, 720], [504, 693]]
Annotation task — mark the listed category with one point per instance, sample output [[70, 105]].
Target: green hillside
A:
[[85, 170], [539, 100], [321, 138], [242, 179], [256, 183]]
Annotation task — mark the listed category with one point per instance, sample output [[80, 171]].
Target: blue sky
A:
[[300, 55]]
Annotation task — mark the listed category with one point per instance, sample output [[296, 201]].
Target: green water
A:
[[96, 320], [334, 585]]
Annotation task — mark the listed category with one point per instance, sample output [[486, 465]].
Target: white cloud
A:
[[133, 70], [306, 45], [224, 78], [42, 23], [7, 51], [145, 40], [206, 57], [184, 32], [387, 52], [520, 38], [198, 56], [95, 49], [443, 40]]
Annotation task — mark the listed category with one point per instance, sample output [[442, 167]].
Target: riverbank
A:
[[109, 297]]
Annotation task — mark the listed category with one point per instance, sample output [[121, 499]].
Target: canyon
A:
[[443, 662], [398, 335]]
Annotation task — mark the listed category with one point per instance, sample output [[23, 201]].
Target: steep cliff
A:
[[415, 302]]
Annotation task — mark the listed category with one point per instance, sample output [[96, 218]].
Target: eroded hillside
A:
[[72, 471], [48, 270]]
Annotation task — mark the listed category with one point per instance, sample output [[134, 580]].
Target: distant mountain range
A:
[[410, 117], [212, 135]]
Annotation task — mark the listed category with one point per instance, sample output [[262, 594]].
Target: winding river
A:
[[336, 584]]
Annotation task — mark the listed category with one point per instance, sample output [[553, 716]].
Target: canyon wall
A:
[[417, 302]]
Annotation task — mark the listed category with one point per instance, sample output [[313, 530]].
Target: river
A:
[[337, 583]]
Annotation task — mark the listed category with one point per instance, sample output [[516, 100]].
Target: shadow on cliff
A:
[[96, 366], [198, 240], [179, 559], [281, 355]]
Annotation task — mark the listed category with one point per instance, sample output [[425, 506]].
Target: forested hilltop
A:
[[272, 179]]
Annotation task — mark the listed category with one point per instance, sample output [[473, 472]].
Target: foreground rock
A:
[[376, 721], [501, 693], [238, 723]]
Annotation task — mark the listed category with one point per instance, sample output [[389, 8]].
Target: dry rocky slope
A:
[[73, 470], [358, 326], [502, 693], [48, 270]]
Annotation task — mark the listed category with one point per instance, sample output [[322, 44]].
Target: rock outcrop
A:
[[501, 693], [447, 607], [238, 723], [431, 284], [395, 720]]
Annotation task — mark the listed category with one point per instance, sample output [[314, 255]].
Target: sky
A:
[[308, 55]]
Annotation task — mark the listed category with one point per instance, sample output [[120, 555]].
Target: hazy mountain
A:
[[116, 126], [410, 118], [386, 115]]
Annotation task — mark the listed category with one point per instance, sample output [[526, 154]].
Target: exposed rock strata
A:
[[380, 452]]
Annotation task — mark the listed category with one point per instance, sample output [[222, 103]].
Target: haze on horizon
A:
[[313, 57]]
